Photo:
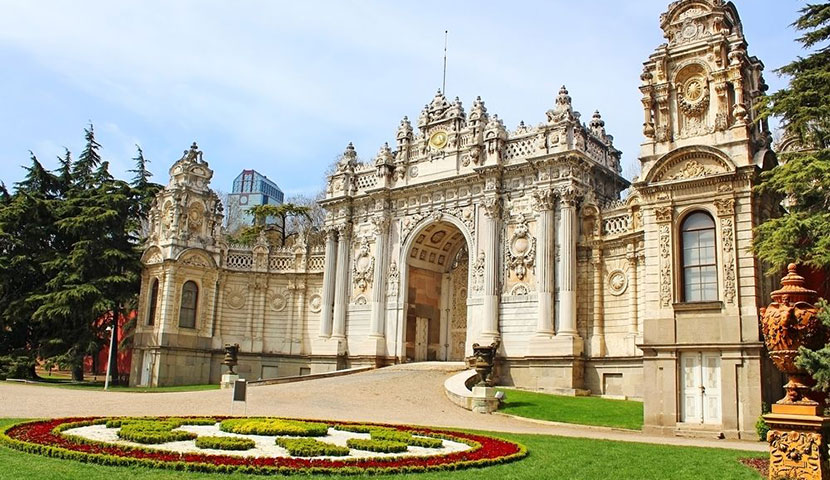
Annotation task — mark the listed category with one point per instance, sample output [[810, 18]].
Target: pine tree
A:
[[89, 160], [803, 177], [27, 238], [802, 234]]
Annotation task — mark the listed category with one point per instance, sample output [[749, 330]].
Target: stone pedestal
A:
[[327, 346], [228, 380], [797, 445], [556, 346], [484, 400]]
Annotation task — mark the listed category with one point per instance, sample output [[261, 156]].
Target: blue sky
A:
[[282, 86]]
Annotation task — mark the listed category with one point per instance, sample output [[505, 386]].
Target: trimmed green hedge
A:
[[309, 447], [178, 421], [407, 438], [225, 443], [360, 428], [153, 432], [379, 446], [274, 426]]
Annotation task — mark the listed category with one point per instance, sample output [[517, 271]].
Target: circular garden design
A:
[[262, 445]]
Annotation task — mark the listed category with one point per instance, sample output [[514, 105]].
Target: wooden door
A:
[[421, 338], [700, 388]]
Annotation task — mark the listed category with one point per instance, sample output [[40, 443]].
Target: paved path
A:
[[400, 394]]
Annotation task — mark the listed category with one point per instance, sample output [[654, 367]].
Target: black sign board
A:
[[239, 390]]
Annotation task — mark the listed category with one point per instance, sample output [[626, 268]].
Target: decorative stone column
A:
[[598, 332], [726, 217], [329, 278], [567, 264], [663, 217], [343, 284], [633, 302], [492, 225], [544, 261], [378, 319]]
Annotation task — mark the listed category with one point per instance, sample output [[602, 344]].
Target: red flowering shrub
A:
[[45, 438]]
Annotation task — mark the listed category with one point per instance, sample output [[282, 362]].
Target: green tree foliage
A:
[[803, 178], [72, 239]]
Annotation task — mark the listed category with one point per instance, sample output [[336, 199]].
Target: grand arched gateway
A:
[[464, 231]]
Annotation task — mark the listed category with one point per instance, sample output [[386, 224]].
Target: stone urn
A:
[[483, 361], [791, 321], [231, 353]]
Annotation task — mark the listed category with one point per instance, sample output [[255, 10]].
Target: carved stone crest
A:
[[520, 251], [364, 266]]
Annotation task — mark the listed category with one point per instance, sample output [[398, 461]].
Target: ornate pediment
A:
[[196, 259], [690, 164]]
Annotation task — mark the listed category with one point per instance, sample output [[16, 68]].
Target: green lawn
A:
[[63, 383], [581, 410], [550, 458]]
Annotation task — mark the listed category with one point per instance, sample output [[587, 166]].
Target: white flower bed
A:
[[265, 446]]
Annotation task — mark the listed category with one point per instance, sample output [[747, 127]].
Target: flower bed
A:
[[45, 438]]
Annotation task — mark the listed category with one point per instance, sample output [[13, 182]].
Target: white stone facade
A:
[[466, 232]]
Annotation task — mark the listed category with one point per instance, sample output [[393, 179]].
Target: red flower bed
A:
[[44, 438]]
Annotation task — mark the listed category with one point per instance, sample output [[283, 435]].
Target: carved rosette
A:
[[791, 321], [235, 296], [618, 281], [520, 251], [315, 303], [364, 267], [797, 455], [277, 299]]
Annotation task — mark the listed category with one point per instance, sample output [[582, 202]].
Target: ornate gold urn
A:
[[789, 322], [798, 428]]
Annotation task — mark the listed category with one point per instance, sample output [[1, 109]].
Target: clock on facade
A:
[[438, 140]]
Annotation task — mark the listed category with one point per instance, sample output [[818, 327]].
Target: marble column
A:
[[492, 226], [343, 282], [544, 261], [598, 332], [633, 327], [567, 265], [329, 278], [378, 318]]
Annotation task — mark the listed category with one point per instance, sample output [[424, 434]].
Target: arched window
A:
[[187, 311], [700, 274], [151, 304]]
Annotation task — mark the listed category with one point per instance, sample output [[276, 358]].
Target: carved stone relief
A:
[[478, 273], [394, 276], [665, 265], [520, 251], [235, 296], [728, 234], [617, 282], [277, 299], [364, 266]]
